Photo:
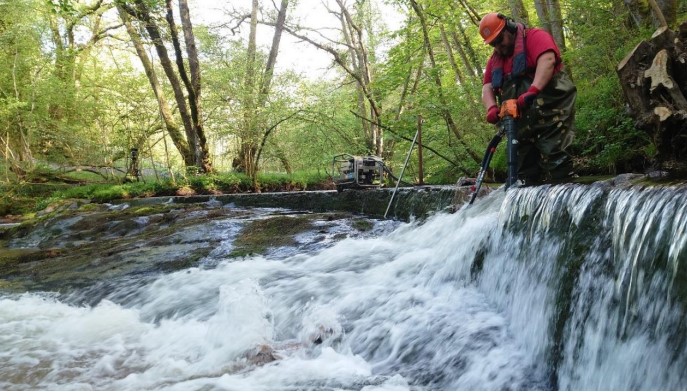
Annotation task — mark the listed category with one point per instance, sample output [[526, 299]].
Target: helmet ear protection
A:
[[493, 24], [510, 23]]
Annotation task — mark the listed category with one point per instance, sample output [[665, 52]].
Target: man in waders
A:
[[526, 65]]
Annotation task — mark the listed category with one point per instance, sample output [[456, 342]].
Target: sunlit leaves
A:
[[62, 7]]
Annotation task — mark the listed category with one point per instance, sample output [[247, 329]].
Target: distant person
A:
[[526, 65]]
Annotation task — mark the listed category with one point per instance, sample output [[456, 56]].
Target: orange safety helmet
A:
[[491, 26]]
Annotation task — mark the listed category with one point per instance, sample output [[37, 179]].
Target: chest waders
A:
[[508, 114]]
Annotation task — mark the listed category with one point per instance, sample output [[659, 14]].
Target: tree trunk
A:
[[364, 69], [194, 142], [202, 149], [463, 41], [654, 79], [361, 80], [543, 13], [142, 12], [267, 133], [249, 139], [251, 151], [449, 53], [62, 26], [519, 12], [20, 135], [66, 47], [446, 114], [414, 73], [188, 110], [653, 12], [252, 138], [355, 66], [470, 11], [165, 111], [556, 22], [284, 162], [274, 51], [551, 19], [669, 10]]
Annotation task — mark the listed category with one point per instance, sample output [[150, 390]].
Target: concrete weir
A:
[[408, 202]]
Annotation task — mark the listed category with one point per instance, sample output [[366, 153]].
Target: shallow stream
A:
[[567, 287]]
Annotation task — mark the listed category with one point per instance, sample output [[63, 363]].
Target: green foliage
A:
[[20, 200], [211, 183], [201, 183], [65, 7], [302, 180], [606, 140], [41, 204], [88, 104], [13, 203], [108, 192], [102, 194]]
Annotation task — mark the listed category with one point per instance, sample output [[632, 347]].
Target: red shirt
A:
[[537, 42]]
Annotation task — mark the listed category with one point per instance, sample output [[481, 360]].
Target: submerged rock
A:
[[75, 249]]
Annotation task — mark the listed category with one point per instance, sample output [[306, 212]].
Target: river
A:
[[566, 287]]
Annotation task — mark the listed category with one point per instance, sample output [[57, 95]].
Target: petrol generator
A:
[[357, 171]]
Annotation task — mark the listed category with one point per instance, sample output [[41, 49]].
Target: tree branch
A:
[[269, 131], [406, 138]]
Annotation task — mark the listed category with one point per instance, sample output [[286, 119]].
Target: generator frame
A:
[[357, 171]]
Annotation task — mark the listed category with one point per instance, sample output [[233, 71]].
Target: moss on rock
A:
[[259, 235]]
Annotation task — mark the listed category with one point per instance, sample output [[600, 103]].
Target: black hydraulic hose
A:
[[491, 148], [387, 171]]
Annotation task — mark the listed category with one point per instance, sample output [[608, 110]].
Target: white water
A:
[[399, 311]]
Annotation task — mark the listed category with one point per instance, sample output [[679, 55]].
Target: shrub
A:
[[606, 136]]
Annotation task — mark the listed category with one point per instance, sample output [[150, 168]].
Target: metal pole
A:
[[401, 176], [421, 174]]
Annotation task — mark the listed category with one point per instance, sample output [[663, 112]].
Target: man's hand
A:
[[526, 99], [493, 114]]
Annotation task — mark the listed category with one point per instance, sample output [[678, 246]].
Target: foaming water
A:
[[548, 287]]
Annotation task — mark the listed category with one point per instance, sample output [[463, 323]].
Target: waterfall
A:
[[566, 287], [593, 280]]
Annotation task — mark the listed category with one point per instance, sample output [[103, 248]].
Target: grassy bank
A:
[[18, 199]]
